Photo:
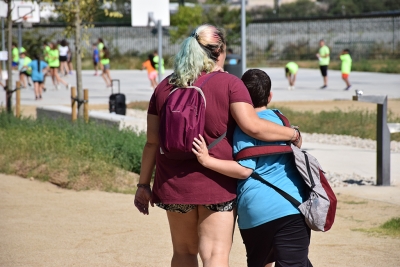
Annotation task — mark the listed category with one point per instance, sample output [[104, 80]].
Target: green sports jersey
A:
[[27, 60], [46, 52], [324, 61], [346, 63], [155, 60], [105, 61], [15, 54], [293, 67], [54, 60]]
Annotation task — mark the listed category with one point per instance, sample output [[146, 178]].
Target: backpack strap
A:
[[291, 199], [266, 150]]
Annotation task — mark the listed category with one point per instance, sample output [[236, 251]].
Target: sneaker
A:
[[57, 87], [44, 89], [324, 87], [347, 88], [289, 88], [95, 74], [40, 96], [68, 87]]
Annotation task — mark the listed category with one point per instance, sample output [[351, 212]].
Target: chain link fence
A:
[[372, 37]]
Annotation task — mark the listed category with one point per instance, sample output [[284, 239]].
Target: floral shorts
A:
[[185, 208]]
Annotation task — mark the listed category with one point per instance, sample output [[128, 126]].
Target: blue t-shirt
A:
[[96, 55], [257, 202], [37, 73]]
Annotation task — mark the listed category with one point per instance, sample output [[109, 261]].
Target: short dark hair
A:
[[347, 51], [259, 85]]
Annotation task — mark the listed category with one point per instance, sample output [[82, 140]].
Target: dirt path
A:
[[43, 225]]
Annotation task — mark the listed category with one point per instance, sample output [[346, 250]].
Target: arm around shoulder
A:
[[247, 119]]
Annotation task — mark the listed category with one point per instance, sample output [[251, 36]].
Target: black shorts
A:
[[39, 82], [324, 70], [25, 73], [63, 58], [54, 67], [284, 241]]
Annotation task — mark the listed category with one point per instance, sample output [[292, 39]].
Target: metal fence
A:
[[367, 37]]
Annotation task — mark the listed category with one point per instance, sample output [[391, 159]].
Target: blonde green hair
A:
[[199, 52]]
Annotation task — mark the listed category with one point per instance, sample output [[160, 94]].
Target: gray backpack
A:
[[320, 207]]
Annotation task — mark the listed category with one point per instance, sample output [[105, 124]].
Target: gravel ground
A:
[[335, 179]]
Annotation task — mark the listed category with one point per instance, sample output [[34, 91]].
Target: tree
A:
[[185, 21], [79, 14]]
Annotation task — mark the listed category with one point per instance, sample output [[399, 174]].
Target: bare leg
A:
[[326, 80], [22, 80], [36, 88], [215, 234], [53, 77], [59, 80], [185, 238]]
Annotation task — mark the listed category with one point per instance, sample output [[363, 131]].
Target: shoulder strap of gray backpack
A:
[[291, 199]]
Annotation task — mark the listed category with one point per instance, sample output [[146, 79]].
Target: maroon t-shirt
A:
[[187, 181]]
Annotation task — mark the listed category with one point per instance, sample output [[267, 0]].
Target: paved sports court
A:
[[136, 87]]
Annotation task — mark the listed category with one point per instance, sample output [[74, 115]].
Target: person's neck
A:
[[260, 109]]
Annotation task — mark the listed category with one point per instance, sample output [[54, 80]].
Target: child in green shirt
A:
[[346, 67], [291, 72]]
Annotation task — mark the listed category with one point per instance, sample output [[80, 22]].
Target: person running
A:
[[291, 73], [54, 64], [105, 62], [151, 71], [323, 57], [24, 71], [346, 67], [63, 50], [39, 69], [96, 58], [272, 229]]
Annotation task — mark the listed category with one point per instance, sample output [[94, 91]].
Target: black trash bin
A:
[[233, 66], [116, 102]]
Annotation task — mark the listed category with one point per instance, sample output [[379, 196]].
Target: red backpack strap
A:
[[259, 151], [266, 150], [284, 120]]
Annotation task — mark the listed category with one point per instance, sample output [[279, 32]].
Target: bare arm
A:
[[227, 167], [143, 194], [264, 130]]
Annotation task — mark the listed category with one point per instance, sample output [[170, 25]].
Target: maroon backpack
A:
[[182, 118]]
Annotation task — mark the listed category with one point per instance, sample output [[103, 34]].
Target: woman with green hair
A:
[[201, 204]]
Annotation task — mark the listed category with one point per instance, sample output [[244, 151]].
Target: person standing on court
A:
[[323, 57], [291, 72], [346, 67]]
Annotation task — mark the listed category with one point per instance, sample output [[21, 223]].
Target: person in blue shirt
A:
[[272, 229], [39, 69], [96, 58]]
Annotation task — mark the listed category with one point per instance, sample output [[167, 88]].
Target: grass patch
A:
[[389, 228], [73, 155]]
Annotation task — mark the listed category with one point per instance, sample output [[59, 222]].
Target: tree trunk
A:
[[9, 50], [78, 58]]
